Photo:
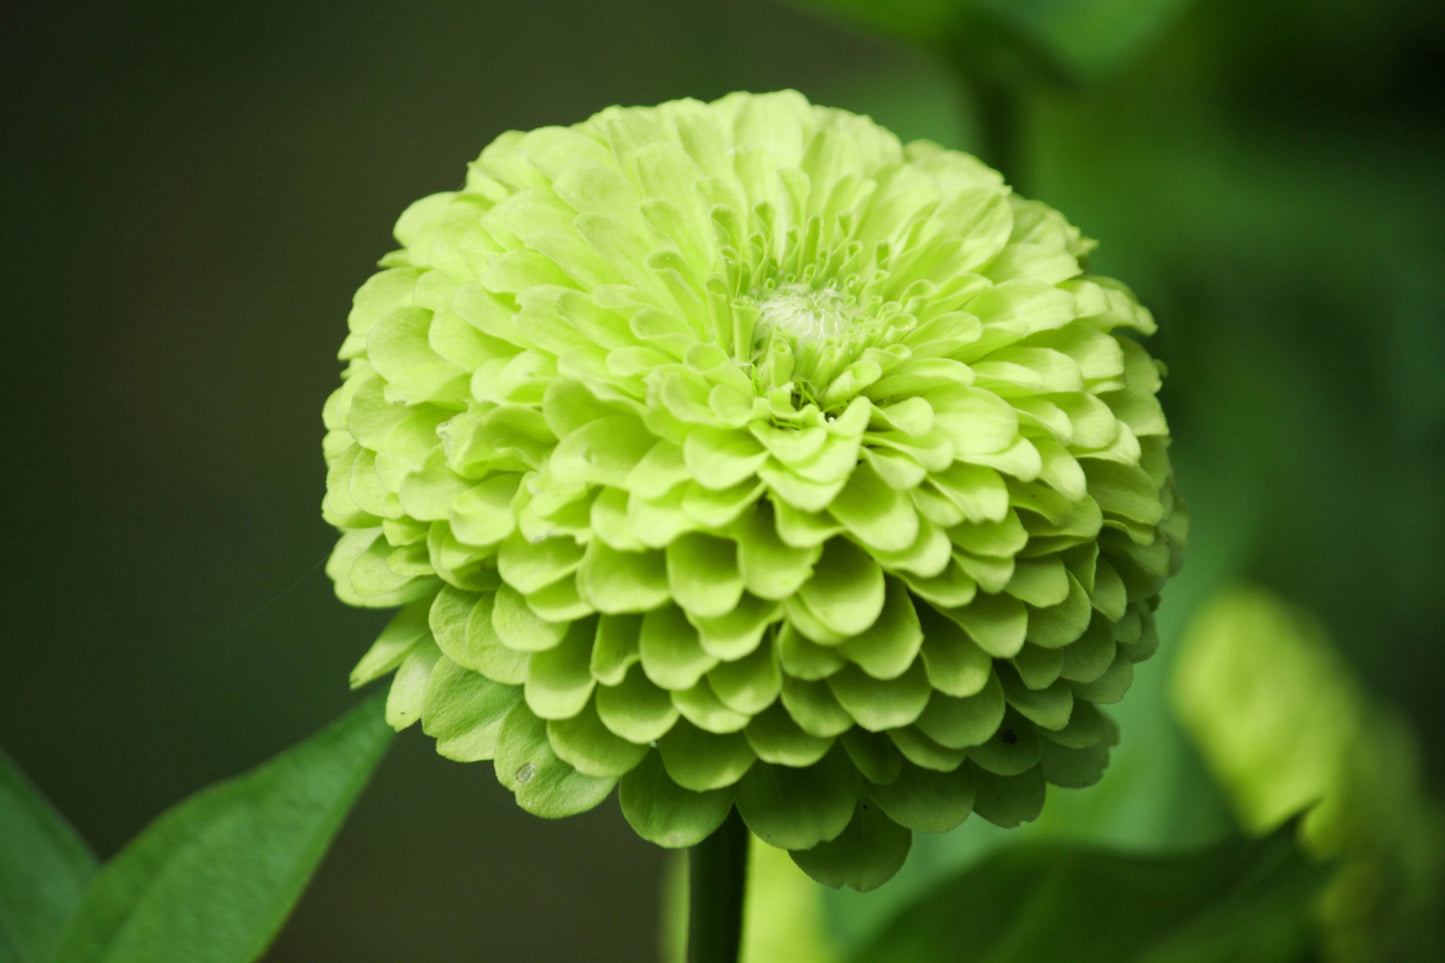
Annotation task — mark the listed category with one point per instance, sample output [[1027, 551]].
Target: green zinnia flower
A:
[[736, 454]]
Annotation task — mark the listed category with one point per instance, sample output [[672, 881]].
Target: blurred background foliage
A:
[[194, 191]]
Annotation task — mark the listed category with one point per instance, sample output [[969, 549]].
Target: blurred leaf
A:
[[923, 22], [44, 869], [1282, 722], [1088, 38], [1242, 900], [1069, 41], [212, 879]]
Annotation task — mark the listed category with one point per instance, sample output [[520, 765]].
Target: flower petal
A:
[[796, 808], [543, 784], [662, 812]]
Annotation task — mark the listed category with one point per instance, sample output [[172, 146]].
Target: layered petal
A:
[[738, 455]]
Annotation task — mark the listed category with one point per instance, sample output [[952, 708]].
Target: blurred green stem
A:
[[998, 111], [717, 876]]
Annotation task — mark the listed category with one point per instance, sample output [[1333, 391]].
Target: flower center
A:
[[803, 336], [804, 315]]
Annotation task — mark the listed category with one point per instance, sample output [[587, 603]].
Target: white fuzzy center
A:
[[804, 315]]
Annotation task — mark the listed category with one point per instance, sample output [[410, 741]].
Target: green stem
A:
[[998, 106], [717, 877]]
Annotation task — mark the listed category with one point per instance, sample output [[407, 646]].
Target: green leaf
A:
[[996, 623], [887, 648], [212, 879], [44, 869], [750, 684], [1062, 40], [401, 635], [559, 679], [880, 704], [1241, 900], [672, 655], [959, 723], [920, 21], [521, 629], [1087, 38], [702, 572], [635, 709], [777, 738]]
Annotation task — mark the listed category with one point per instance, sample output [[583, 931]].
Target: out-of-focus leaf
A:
[[44, 869], [1282, 722], [1088, 38], [212, 879], [1072, 41], [1241, 900], [922, 22]]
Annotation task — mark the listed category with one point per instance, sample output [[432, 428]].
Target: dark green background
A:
[[192, 192]]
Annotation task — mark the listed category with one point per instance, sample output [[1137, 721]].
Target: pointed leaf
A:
[[212, 880], [44, 869]]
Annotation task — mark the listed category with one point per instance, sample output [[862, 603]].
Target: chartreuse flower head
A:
[[736, 454]]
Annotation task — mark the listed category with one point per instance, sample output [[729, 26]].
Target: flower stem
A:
[[717, 877], [998, 107]]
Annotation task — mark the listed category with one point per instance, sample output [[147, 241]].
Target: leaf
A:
[[1282, 722], [214, 877], [1242, 900], [1087, 38], [44, 869], [918, 21], [1071, 41]]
